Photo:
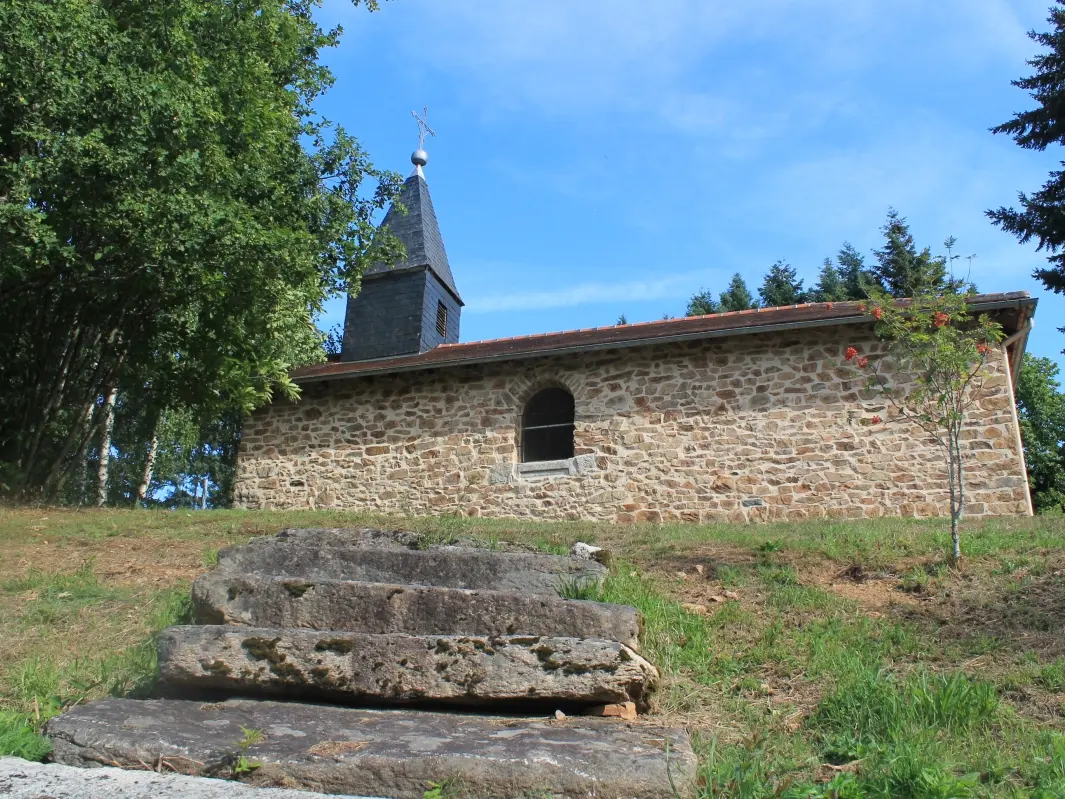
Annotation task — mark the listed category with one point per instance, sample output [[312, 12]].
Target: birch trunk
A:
[[83, 457], [105, 446], [149, 464]]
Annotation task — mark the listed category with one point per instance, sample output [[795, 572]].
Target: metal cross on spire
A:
[[419, 157], [423, 126]]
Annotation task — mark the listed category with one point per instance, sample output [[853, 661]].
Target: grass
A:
[[811, 660]]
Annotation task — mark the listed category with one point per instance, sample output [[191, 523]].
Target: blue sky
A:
[[600, 157]]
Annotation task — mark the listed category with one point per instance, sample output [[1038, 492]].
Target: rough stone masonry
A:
[[367, 667], [759, 427]]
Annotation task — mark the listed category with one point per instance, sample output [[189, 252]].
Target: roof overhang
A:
[[724, 325]]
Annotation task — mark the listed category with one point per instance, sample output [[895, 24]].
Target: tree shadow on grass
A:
[[1011, 614]]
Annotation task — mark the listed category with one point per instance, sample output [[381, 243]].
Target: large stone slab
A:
[[445, 567], [403, 669], [376, 537], [24, 779], [383, 753], [222, 597], [348, 537]]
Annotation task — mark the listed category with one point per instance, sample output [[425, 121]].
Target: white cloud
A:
[[694, 65]]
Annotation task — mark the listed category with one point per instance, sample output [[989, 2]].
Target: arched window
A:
[[547, 426]]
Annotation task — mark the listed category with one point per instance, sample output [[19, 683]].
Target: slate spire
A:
[[411, 306], [418, 230]]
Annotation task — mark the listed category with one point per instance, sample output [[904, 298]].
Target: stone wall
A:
[[754, 427]]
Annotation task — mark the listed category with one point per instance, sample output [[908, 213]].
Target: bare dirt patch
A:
[[876, 592], [116, 561]]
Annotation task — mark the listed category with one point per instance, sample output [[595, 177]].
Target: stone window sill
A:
[[542, 470]]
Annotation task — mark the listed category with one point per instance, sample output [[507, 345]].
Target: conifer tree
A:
[[830, 285], [737, 297], [702, 303], [1042, 215], [857, 278], [781, 286], [902, 270]]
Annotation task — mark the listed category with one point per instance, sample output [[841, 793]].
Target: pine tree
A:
[[830, 285], [1042, 215], [702, 303], [781, 286], [902, 270], [857, 279], [737, 297]]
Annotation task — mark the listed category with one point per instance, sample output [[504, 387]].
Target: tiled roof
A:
[[419, 232], [639, 334]]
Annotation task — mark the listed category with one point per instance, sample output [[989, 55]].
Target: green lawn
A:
[[809, 660]]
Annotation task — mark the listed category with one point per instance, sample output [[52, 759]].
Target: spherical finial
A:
[[419, 157]]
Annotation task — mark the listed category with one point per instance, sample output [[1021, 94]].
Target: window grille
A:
[[547, 426], [441, 318]]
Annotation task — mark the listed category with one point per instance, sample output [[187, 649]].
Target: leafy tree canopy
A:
[[172, 213], [1041, 408], [940, 350]]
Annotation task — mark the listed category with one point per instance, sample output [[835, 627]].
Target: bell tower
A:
[[411, 306]]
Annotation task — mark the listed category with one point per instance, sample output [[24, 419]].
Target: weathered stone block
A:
[[347, 536], [402, 669], [222, 597], [500, 473], [623, 710], [381, 539], [23, 779], [445, 567], [382, 752]]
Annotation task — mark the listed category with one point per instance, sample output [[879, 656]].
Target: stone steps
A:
[[370, 618], [24, 779], [387, 753], [444, 567], [404, 669], [222, 597], [370, 536]]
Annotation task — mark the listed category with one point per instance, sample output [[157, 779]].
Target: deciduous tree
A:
[[1041, 409], [931, 374], [172, 215]]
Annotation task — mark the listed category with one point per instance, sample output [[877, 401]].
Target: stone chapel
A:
[[744, 416]]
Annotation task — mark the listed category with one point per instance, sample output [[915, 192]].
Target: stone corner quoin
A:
[[763, 427]]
